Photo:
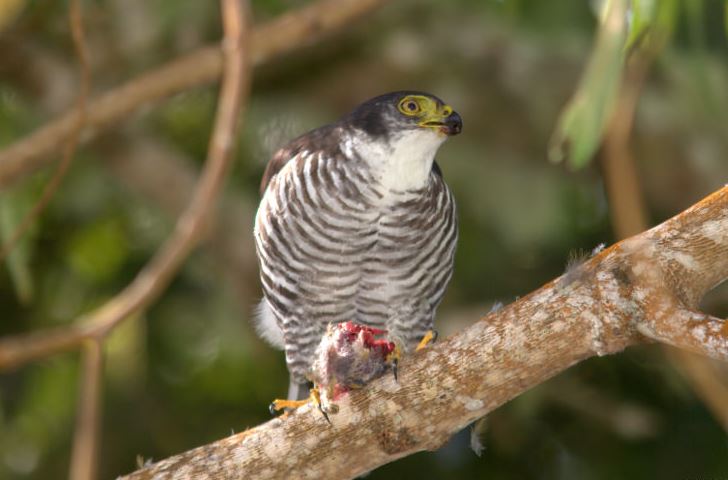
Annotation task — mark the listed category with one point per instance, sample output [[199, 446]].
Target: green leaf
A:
[[97, 251], [14, 205], [16, 202], [45, 407], [584, 119], [643, 14], [651, 24]]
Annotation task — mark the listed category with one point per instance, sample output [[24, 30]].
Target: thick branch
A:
[[598, 308], [284, 34]]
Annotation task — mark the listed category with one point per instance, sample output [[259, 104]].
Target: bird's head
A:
[[398, 135], [402, 113]]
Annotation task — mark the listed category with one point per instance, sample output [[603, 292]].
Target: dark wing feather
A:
[[436, 169], [278, 161], [324, 139]]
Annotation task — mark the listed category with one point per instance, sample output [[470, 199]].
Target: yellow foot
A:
[[315, 398], [279, 404], [429, 337]]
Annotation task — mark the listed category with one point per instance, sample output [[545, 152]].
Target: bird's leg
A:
[[429, 337], [314, 397]]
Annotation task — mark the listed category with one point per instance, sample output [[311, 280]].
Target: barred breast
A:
[[335, 245]]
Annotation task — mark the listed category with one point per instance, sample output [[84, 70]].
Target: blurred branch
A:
[[71, 142], [157, 274], [84, 456], [229, 241], [646, 284], [86, 441], [626, 206], [282, 35], [708, 380]]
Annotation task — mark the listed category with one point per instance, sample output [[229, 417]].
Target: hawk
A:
[[357, 224]]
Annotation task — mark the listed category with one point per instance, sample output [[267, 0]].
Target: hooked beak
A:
[[446, 121]]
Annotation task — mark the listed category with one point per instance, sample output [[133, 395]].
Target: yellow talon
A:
[[314, 397], [279, 404], [429, 337]]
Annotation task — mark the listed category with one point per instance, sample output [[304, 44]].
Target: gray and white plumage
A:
[[357, 224]]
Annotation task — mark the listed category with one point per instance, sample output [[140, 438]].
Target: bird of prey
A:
[[357, 224]]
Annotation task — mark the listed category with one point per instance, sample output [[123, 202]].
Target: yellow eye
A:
[[409, 106]]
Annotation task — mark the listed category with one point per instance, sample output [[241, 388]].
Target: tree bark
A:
[[640, 290]]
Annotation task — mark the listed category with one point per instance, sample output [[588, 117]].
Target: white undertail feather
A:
[[266, 324]]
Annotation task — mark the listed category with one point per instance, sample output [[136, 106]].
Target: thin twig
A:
[[75, 16], [286, 33], [84, 457]]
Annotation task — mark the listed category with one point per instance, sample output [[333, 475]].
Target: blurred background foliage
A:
[[190, 370]]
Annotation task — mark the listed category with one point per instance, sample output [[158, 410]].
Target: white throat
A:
[[404, 163]]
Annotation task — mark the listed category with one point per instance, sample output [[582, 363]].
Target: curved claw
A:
[[330, 407], [323, 412]]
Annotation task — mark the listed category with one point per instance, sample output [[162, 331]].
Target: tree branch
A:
[[201, 67], [157, 274], [84, 457], [597, 308]]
